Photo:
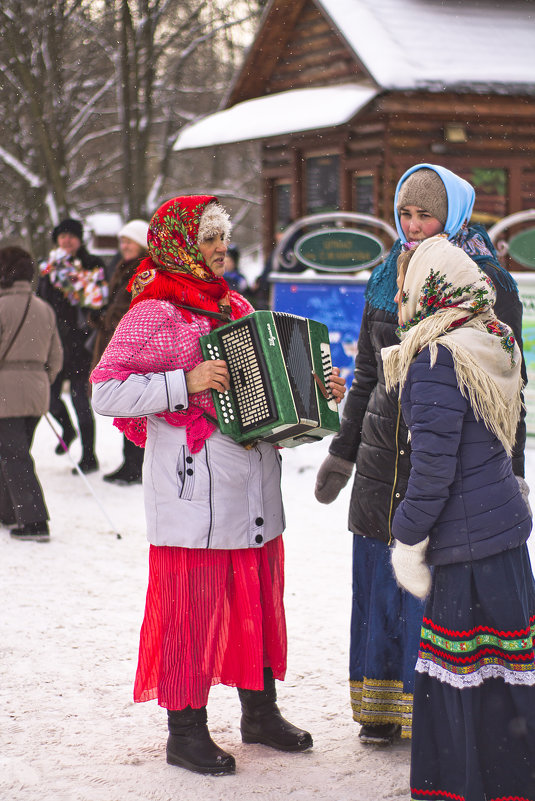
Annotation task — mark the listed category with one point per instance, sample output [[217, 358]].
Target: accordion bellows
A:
[[279, 365]]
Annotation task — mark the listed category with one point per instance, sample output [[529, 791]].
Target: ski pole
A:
[[88, 485]]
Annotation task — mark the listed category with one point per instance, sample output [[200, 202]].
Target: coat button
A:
[[259, 521], [398, 495], [189, 459], [179, 407], [402, 453], [189, 471], [259, 538]]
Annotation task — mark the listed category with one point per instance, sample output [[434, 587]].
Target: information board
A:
[[339, 250], [526, 288]]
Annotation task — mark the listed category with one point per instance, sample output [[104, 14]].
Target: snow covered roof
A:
[[272, 115], [104, 223], [460, 45], [408, 44]]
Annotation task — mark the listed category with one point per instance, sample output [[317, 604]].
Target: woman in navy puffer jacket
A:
[[458, 371], [460, 468]]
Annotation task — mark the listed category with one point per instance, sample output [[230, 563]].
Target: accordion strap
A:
[[223, 316], [323, 389]]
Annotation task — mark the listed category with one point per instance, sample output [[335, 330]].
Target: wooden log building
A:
[[372, 87]]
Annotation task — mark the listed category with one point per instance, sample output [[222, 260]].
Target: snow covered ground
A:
[[71, 611]]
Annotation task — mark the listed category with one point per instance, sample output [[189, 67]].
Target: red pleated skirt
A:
[[211, 617]]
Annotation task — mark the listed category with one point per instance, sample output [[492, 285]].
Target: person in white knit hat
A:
[[132, 247]]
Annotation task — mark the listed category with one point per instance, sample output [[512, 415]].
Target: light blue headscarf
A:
[[474, 240], [461, 197]]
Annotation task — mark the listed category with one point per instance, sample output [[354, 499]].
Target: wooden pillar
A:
[[514, 190], [297, 184], [346, 201]]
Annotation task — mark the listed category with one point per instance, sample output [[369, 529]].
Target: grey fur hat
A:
[[214, 220]]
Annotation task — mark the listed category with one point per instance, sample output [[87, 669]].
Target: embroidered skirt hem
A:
[[385, 631], [473, 735], [378, 702]]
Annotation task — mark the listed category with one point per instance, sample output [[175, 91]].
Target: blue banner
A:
[[338, 304]]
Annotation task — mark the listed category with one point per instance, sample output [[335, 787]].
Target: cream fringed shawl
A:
[[448, 300]]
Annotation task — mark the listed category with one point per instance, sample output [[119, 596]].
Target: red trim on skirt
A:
[[211, 617]]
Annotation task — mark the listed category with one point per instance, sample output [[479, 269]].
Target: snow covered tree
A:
[[92, 96]]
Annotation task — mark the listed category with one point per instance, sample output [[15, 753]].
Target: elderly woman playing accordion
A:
[[214, 610]]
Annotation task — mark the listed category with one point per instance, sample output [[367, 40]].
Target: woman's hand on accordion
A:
[[212, 374], [337, 385]]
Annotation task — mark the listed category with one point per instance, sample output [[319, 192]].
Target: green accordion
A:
[[279, 365]]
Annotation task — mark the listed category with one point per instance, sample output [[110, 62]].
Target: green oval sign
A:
[[522, 248], [339, 250]]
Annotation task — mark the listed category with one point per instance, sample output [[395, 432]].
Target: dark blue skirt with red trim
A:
[[473, 735]]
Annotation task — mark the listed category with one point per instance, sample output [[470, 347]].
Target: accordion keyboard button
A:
[[259, 521], [259, 538]]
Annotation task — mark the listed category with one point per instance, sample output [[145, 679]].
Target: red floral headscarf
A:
[[175, 269]]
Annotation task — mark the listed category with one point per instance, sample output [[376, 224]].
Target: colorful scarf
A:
[[79, 286], [448, 300], [175, 270]]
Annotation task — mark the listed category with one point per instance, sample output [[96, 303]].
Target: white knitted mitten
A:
[[410, 568]]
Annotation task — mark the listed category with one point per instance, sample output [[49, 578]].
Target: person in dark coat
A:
[[385, 621], [132, 248], [458, 375], [73, 281], [30, 359], [234, 278]]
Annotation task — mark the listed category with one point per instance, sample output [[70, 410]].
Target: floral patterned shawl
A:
[[448, 300]]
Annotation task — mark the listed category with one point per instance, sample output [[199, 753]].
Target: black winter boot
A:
[[88, 463], [69, 435], [61, 414], [131, 471], [262, 721], [190, 746]]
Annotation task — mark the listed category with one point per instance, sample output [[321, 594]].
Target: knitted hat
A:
[[68, 226], [136, 230], [424, 188]]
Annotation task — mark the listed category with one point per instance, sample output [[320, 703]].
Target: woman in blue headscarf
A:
[[386, 621]]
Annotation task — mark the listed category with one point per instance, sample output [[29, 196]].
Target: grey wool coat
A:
[[36, 356]]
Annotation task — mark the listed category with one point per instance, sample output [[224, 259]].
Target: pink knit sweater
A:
[[155, 336]]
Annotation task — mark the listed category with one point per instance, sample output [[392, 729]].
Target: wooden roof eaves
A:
[[241, 86], [327, 134], [343, 38], [276, 25]]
